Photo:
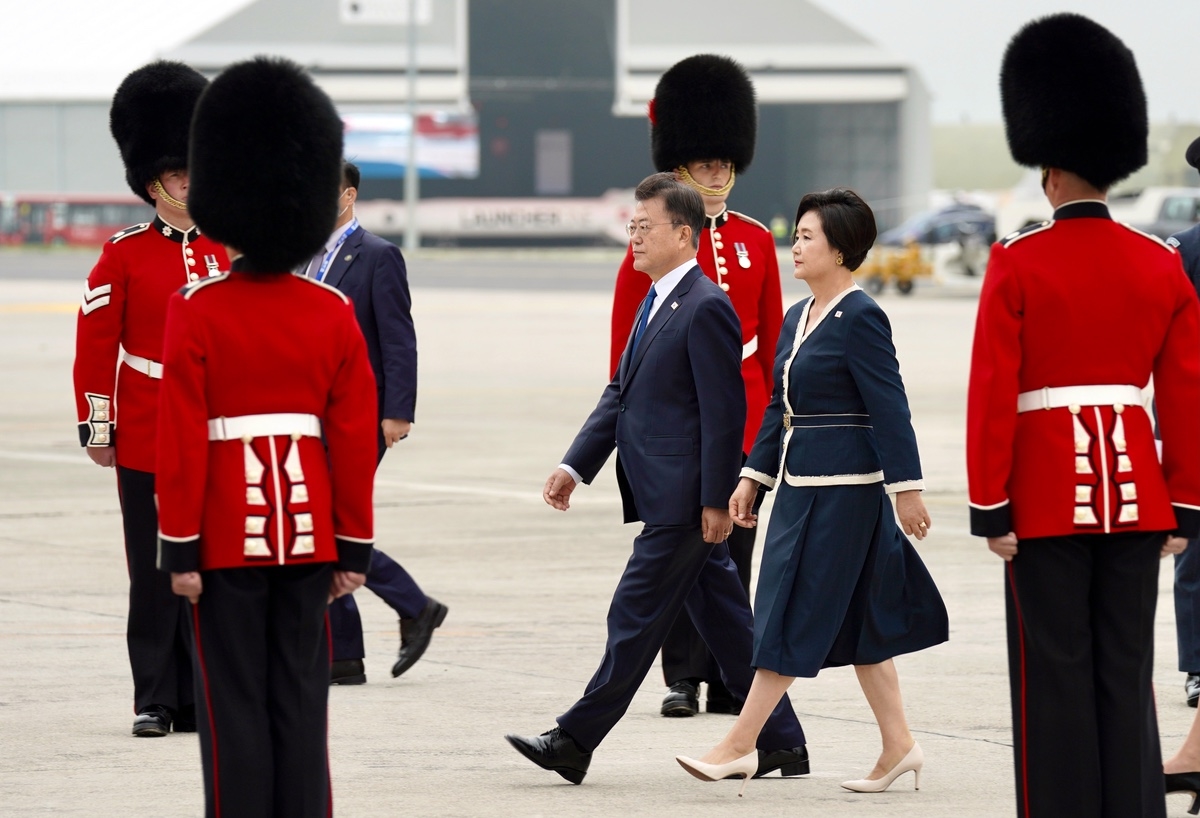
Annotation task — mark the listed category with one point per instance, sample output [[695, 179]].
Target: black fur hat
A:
[[150, 116], [1193, 154], [1073, 100], [266, 163], [703, 108]]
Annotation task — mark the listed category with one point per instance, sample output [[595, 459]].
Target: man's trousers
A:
[[156, 631], [673, 569], [262, 669], [1080, 616]]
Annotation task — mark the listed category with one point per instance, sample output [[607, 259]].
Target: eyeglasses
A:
[[643, 228]]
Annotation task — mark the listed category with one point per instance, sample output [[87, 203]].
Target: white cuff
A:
[[574, 474], [907, 485], [765, 479]]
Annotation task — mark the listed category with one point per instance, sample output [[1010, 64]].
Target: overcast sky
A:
[[82, 48]]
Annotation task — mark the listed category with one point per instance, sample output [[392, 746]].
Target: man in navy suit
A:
[[371, 272], [674, 412]]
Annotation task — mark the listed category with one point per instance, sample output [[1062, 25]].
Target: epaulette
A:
[[193, 287], [325, 286], [1150, 236], [746, 218], [1026, 231], [132, 230]]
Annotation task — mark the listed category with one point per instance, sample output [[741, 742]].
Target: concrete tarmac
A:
[[509, 370]]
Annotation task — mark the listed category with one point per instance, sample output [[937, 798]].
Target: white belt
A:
[[282, 423], [1056, 397], [143, 365], [750, 347]]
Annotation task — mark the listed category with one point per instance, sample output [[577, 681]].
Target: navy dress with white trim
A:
[[839, 583]]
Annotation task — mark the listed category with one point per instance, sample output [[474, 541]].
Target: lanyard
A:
[[329, 256]]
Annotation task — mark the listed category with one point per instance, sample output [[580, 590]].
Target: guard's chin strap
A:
[[167, 197], [686, 178]]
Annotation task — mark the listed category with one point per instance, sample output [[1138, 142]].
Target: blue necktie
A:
[[643, 320]]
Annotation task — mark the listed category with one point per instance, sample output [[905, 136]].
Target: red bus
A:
[[78, 219]]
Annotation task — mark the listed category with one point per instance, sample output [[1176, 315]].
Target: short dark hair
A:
[[350, 175], [847, 221], [683, 205]]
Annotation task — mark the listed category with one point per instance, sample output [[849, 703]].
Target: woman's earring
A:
[[839, 260]]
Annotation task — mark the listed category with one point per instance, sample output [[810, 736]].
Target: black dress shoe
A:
[[152, 722], [788, 762], [1192, 688], [347, 672], [681, 700], [185, 719], [722, 705], [554, 750], [1185, 782], [416, 633]]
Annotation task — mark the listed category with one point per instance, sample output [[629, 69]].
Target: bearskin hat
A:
[[1073, 99], [150, 116], [703, 108], [1193, 154], [266, 163]]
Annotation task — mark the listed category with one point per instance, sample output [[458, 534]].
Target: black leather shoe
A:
[[788, 762], [185, 719], [152, 722], [416, 633], [681, 700], [348, 672], [1185, 782], [554, 750], [1192, 688], [730, 706]]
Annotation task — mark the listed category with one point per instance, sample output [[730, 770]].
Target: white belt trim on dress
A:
[[249, 426], [750, 347], [144, 365], [1056, 397]]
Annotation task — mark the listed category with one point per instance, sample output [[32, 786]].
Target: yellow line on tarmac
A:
[[20, 308]]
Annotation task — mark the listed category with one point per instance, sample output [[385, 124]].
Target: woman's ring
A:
[[922, 524]]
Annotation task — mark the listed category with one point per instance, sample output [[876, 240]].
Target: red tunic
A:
[[1083, 300], [262, 344], [753, 287], [125, 306]]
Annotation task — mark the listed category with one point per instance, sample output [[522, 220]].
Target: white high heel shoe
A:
[[746, 767], [914, 760]]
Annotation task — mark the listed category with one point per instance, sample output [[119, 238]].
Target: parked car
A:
[[1161, 211], [958, 223]]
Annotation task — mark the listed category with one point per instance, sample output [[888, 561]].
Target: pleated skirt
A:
[[840, 584]]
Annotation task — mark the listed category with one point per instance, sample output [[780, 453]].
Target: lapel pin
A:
[[348, 257], [674, 304], [837, 314]]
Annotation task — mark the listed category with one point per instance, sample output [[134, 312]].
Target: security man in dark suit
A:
[[674, 412], [371, 271], [1187, 564]]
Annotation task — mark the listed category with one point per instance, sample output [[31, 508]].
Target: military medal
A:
[[211, 264], [743, 254]]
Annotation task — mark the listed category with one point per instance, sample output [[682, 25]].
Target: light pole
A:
[[412, 236]]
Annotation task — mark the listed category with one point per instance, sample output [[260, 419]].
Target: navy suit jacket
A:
[[371, 271], [675, 411]]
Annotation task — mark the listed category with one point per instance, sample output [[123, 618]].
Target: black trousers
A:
[[1080, 616], [684, 654], [262, 667], [389, 581], [156, 632], [672, 568]]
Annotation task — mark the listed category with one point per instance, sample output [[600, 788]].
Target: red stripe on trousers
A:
[[212, 727], [1012, 580], [328, 776]]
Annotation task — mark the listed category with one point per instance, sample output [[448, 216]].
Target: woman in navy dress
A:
[[839, 584]]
